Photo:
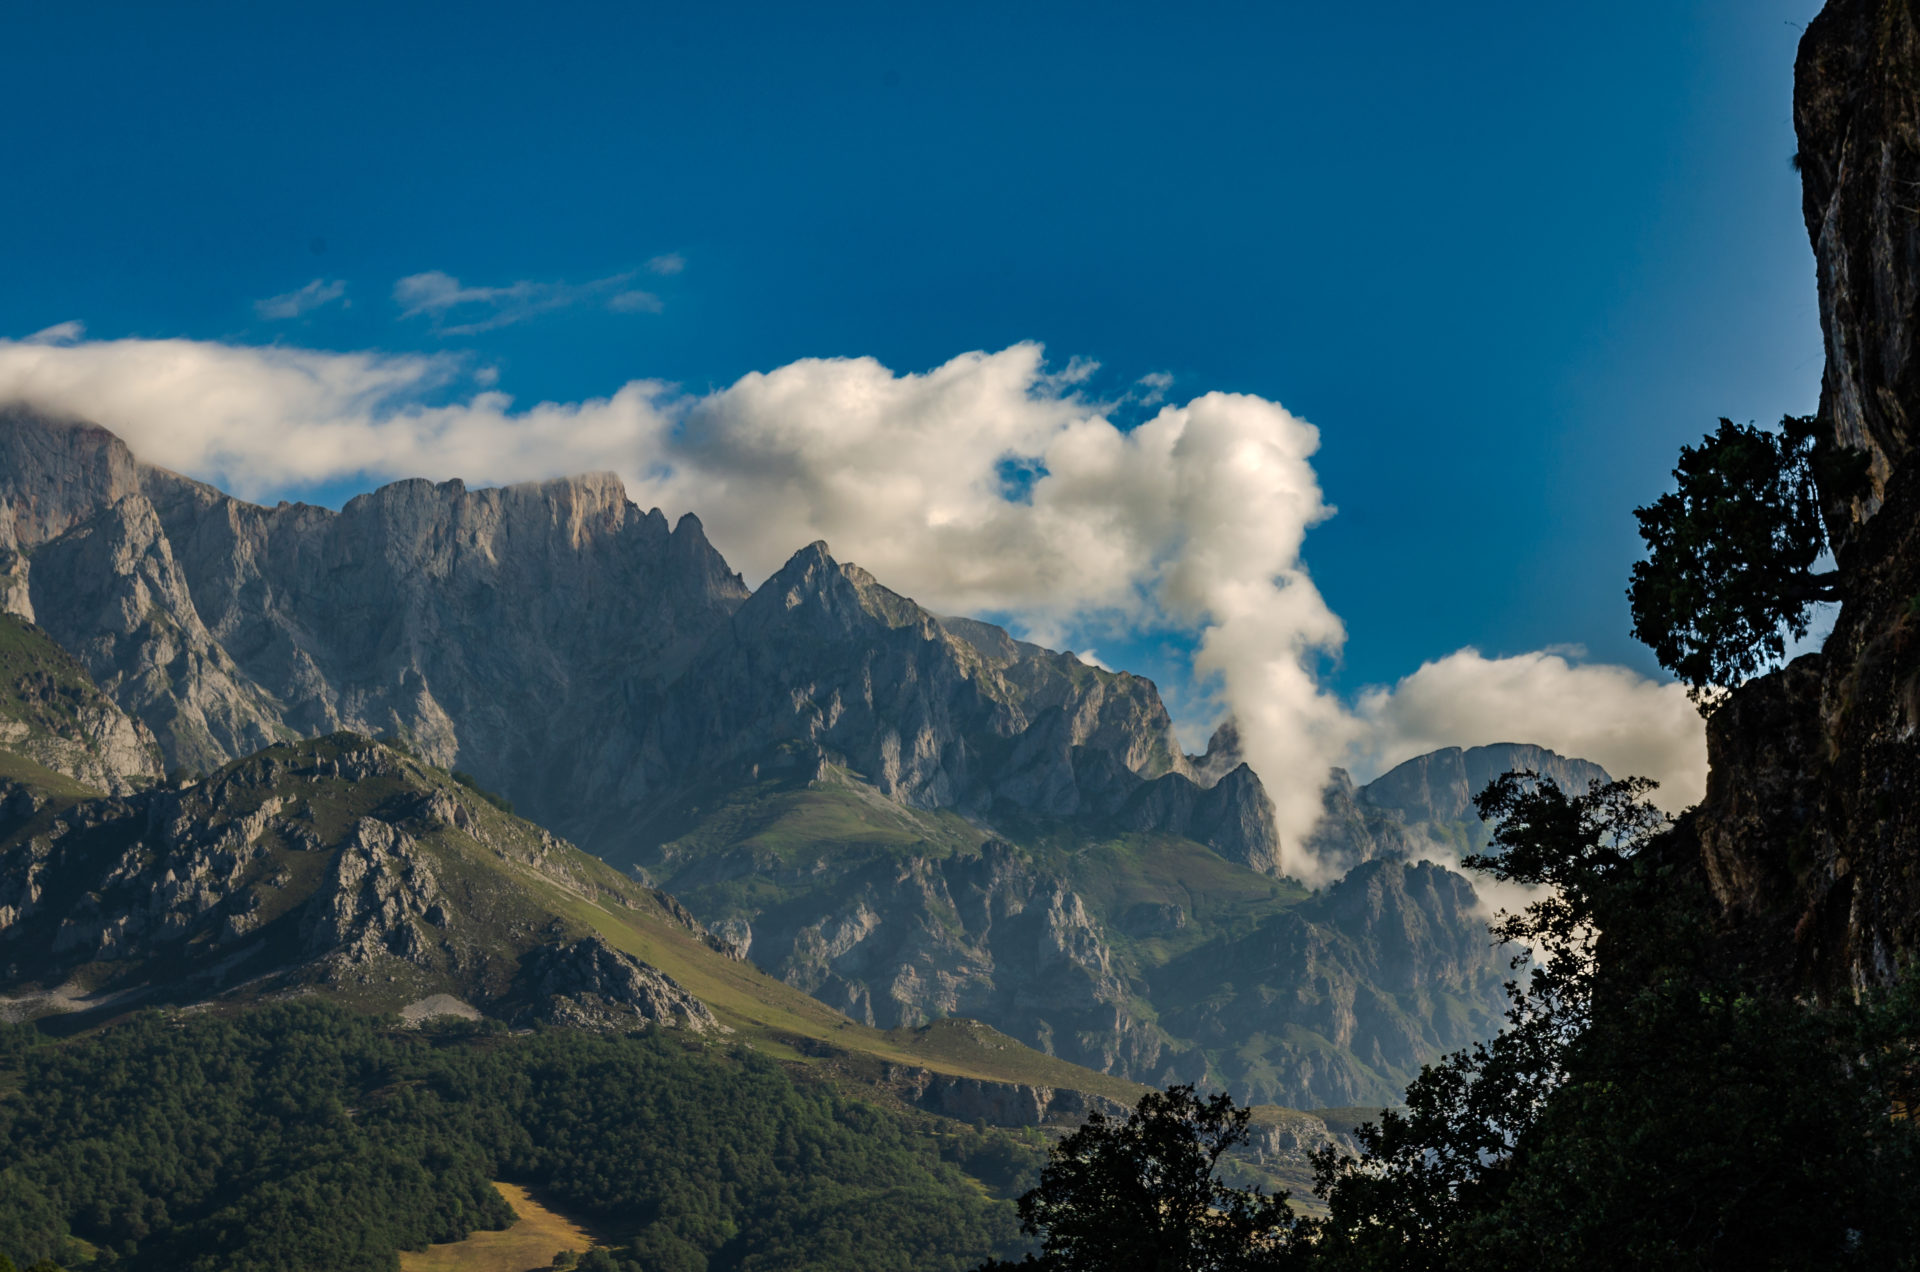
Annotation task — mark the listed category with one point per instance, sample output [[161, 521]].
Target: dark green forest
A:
[[304, 1136]]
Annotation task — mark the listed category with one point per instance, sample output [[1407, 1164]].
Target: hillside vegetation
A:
[[306, 1136]]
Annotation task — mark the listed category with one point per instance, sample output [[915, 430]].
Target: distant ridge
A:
[[1440, 785]]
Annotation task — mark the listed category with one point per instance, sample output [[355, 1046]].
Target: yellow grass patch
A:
[[529, 1244]]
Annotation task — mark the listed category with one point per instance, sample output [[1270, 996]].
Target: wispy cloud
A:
[[635, 302], [307, 299], [670, 263], [60, 333], [459, 310]]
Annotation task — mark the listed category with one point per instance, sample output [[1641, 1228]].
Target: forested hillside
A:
[[311, 1137]]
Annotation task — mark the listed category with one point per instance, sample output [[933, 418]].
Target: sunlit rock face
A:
[[1440, 786]]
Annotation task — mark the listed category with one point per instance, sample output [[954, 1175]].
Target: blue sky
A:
[[1507, 257]]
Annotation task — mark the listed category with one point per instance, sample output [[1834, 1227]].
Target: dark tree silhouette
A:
[[1730, 554], [1647, 1106], [1142, 1195]]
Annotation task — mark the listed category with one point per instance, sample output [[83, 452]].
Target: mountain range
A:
[[911, 817]]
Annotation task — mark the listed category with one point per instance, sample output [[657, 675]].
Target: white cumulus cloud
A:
[[1623, 721], [986, 484]]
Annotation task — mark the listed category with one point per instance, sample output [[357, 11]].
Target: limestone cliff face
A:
[[58, 473], [563, 646], [1856, 113], [1810, 831], [991, 937], [503, 630], [1115, 714], [110, 591], [942, 713], [1347, 995]]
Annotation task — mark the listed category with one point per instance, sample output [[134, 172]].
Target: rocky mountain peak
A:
[[56, 472], [1440, 785], [835, 599], [1223, 754], [696, 566]]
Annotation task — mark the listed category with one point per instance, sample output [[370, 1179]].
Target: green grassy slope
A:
[[18, 768], [40, 683], [46, 702]]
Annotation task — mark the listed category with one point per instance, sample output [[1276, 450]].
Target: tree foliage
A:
[[301, 1136], [1729, 573], [1646, 1107], [1142, 1195], [1449, 1155]]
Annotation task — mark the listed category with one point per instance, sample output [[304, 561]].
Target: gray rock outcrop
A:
[[1347, 995], [274, 877], [1809, 835], [590, 985], [997, 1103]]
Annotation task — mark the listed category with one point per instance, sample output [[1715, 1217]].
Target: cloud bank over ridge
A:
[[988, 483]]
